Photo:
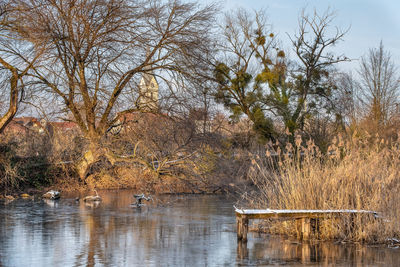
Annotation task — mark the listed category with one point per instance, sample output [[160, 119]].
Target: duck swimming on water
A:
[[52, 194], [139, 199]]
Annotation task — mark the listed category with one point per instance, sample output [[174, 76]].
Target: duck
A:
[[52, 194], [139, 199], [95, 198]]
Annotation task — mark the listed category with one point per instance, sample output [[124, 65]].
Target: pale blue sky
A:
[[370, 22]]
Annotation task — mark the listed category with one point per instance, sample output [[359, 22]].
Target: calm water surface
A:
[[170, 231]]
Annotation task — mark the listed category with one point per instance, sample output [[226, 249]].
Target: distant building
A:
[[29, 125], [148, 93], [24, 125]]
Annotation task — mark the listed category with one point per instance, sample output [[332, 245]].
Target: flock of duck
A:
[[55, 195]]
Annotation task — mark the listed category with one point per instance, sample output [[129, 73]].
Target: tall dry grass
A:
[[362, 174]]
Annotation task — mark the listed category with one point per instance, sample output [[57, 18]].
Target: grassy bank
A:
[[357, 174]]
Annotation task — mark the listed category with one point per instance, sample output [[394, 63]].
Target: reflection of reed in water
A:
[[277, 250]]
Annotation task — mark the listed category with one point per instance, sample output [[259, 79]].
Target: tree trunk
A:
[[13, 106], [84, 164], [95, 152]]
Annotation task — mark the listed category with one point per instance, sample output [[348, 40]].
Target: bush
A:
[[10, 179]]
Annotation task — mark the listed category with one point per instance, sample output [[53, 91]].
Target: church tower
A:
[[148, 92]]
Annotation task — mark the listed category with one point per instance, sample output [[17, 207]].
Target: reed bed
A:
[[361, 174]]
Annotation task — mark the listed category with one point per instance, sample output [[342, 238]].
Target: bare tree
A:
[[312, 45], [345, 99], [379, 85], [96, 49], [248, 49], [13, 68]]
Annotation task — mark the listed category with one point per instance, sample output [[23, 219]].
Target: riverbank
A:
[[140, 181]]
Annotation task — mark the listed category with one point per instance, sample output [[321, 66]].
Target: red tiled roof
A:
[[66, 125]]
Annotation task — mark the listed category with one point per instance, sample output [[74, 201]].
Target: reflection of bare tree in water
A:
[[107, 233], [89, 249], [94, 246], [99, 230]]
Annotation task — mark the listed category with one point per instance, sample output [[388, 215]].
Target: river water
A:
[[168, 231]]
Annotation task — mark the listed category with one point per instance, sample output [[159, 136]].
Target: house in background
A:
[[30, 125], [24, 125]]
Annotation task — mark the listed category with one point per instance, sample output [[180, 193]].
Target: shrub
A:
[[10, 179]]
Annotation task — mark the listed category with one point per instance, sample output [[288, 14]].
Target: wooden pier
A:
[[307, 221]]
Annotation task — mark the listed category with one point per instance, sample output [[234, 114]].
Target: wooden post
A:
[[242, 227], [239, 227], [314, 227], [245, 227], [306, 225], [303, 228]]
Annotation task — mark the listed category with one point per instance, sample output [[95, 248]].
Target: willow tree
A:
[[95, 50]]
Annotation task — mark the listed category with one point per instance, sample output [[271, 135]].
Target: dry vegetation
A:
[[359, 173], [155, 153]]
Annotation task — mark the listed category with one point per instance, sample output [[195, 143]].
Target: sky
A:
[[370, 22]]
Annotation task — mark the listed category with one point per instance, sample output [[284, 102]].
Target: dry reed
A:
[[356, 174]]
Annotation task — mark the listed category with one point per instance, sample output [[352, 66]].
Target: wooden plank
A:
[[298, 229], [267, 214]]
